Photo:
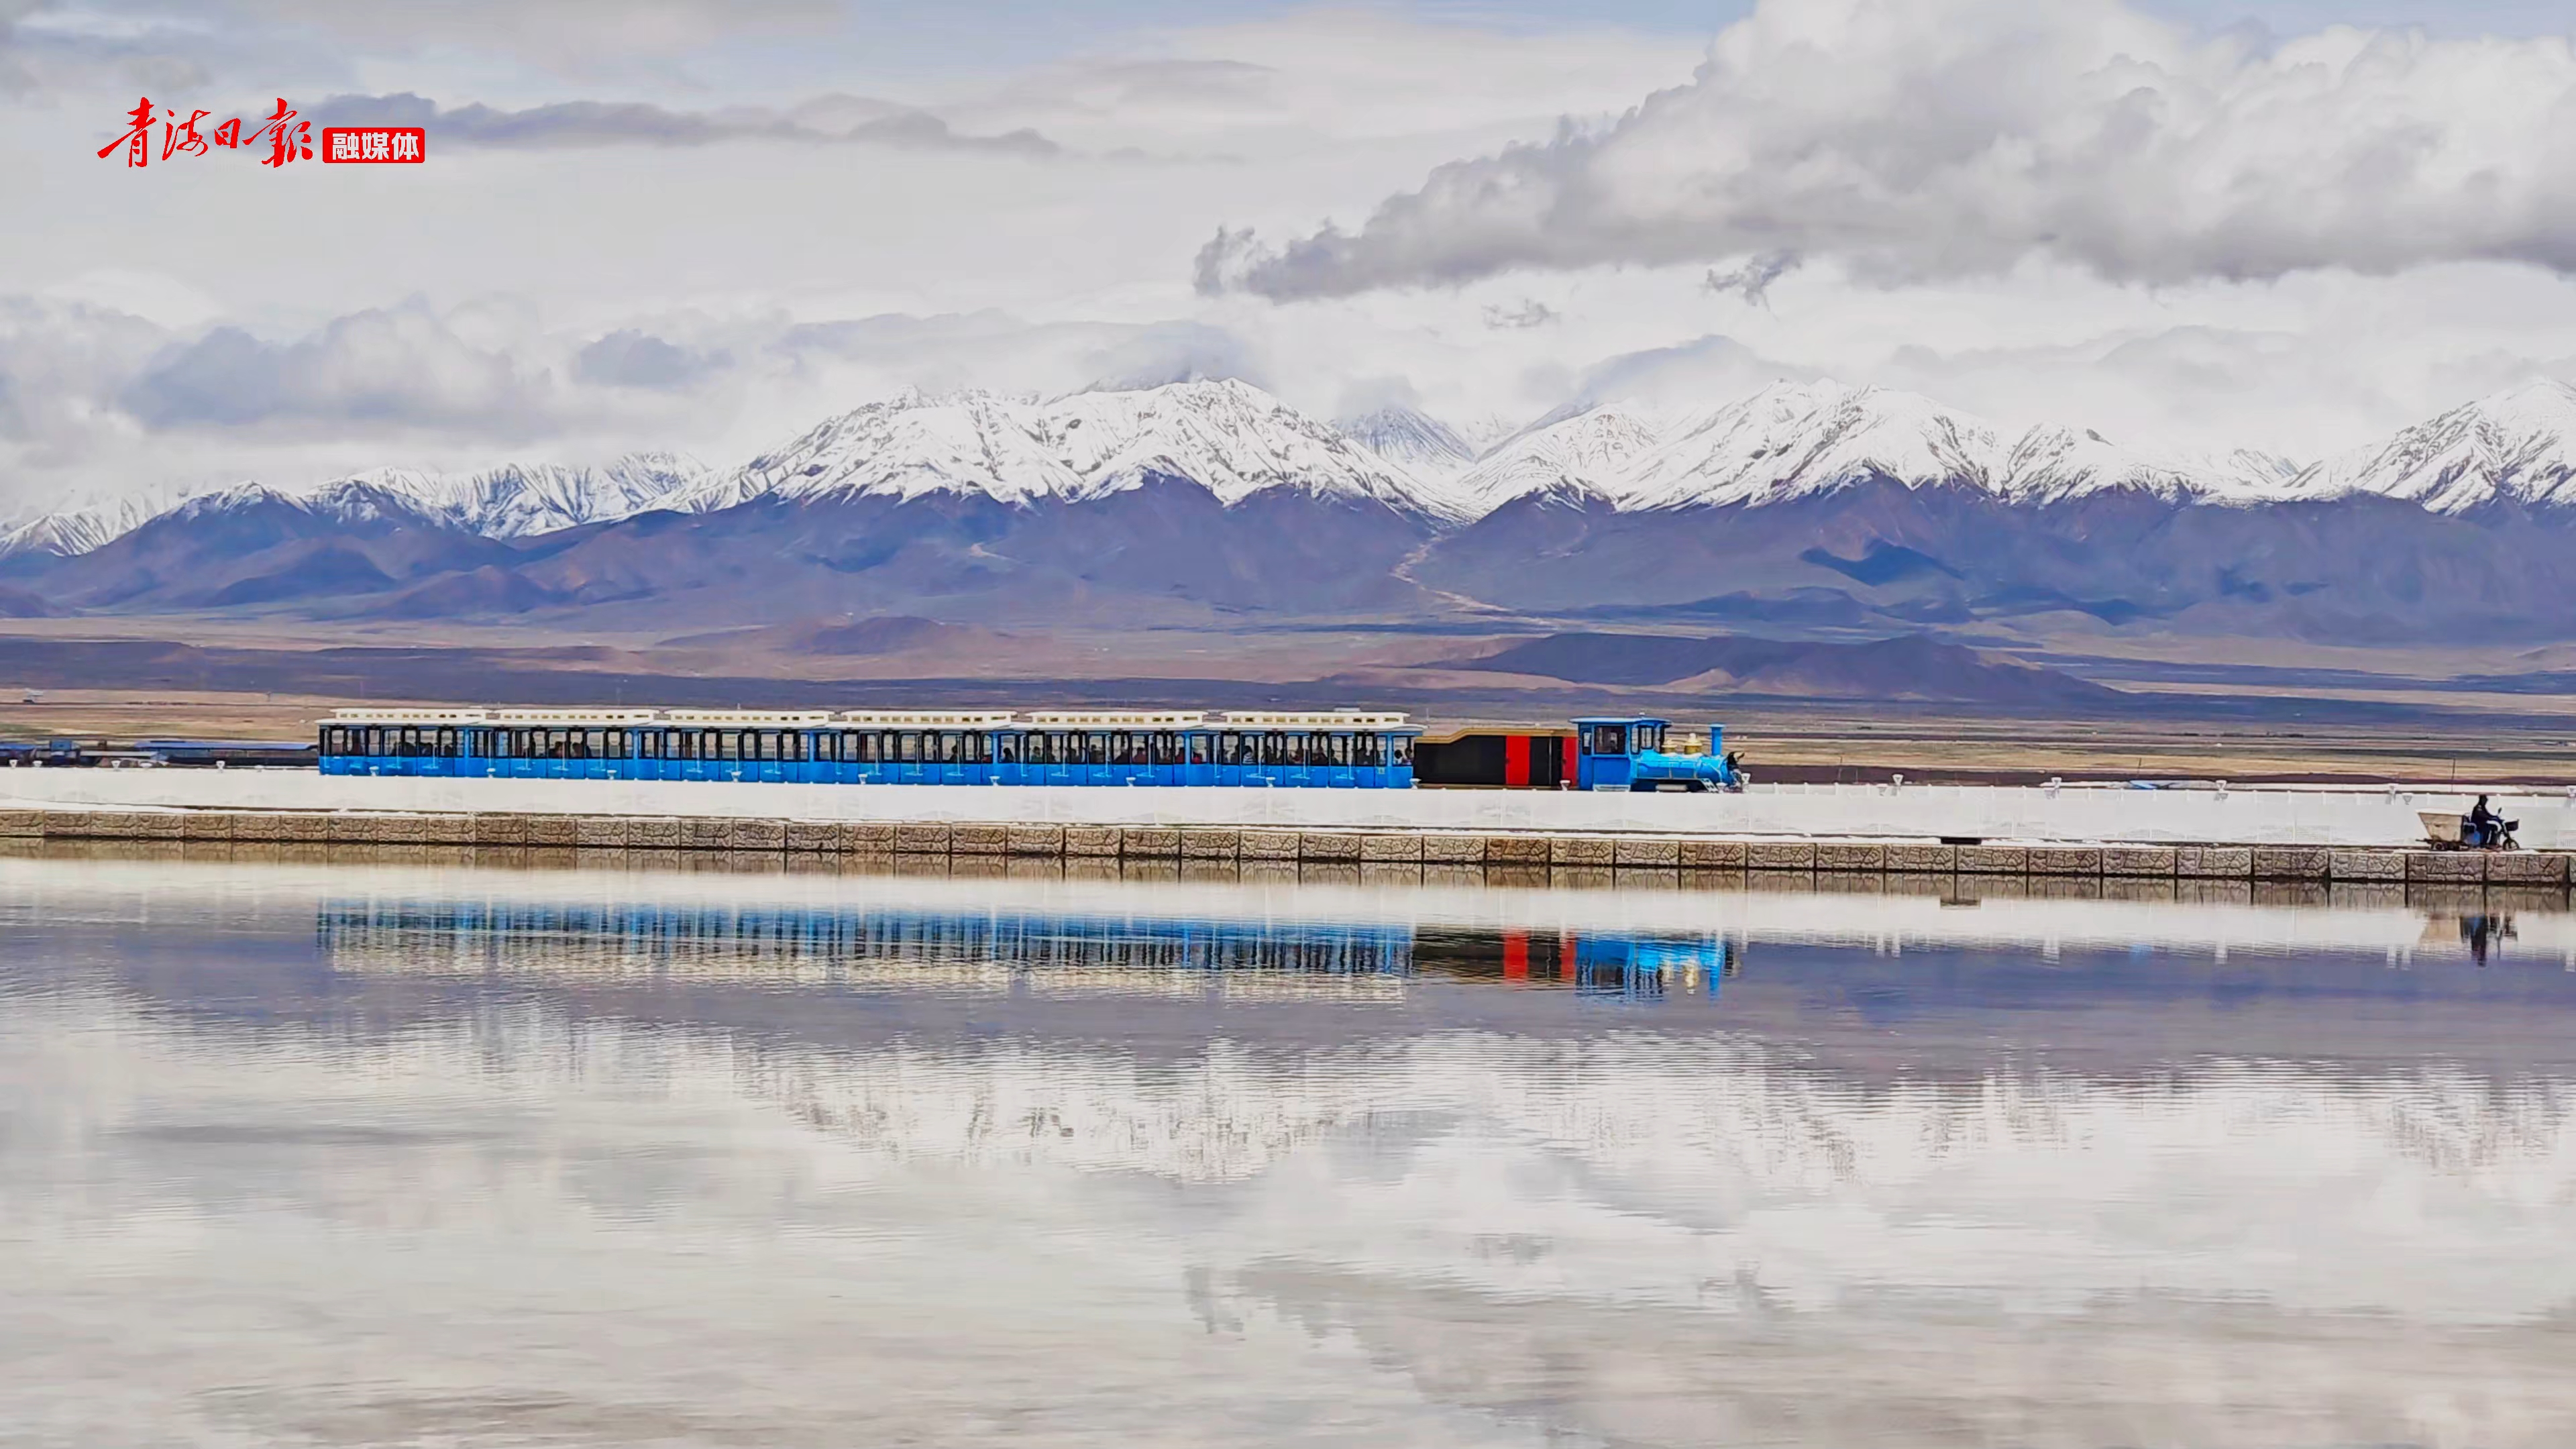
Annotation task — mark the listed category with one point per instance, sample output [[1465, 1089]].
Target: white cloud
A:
[[1923, 140]]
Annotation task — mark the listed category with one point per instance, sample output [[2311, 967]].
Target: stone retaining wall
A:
[[1543, 852]]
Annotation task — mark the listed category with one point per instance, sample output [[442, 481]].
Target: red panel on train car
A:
[[1515, 956], [1516, 752]]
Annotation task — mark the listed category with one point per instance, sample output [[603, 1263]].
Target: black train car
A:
[[1495, 759]]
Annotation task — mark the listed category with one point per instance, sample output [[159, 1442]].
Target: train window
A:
[[1366, 752], [1096, 749], [907, 748], [724, 745], [1202, 749], [859, 749], [979, 749], [1650, 737], [1234, 749], [1274, 748], [447, 744], [1006, 749], [1608, 740], [1400, 751], [826, 746], [594, 744]]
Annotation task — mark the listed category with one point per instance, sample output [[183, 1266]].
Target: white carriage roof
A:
[[1116, 719], [757, 718], [929, 718], [407, 716], [1340, 719], [583, 717]]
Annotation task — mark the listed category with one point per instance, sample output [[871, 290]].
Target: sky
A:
[[705, 225]]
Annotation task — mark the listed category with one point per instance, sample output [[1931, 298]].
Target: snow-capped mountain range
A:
[[1788, 442], [1228, 437]]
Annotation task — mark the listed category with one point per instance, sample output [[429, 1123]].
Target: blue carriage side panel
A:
[[1342, 749]]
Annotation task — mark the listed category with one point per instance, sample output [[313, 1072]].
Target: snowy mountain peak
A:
[[510, 501], [1796, 440], [2517, 448], [1569, 457], [1793, 440], [1410, 439], [1225, 435], [86, 524]]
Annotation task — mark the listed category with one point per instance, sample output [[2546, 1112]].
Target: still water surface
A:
[[431, 1154]]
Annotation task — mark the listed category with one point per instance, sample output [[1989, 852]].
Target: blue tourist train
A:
[[1332, 749]]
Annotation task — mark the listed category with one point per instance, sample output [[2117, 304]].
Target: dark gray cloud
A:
[[628, 358], [574, 124], [1530, 313], [1925, 140], [1752, 281]]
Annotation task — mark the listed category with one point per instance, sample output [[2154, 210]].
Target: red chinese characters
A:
[[374, 145], [289, 139], [285, 144]]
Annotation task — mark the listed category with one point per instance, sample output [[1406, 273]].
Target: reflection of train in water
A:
[[643, 938], [1340, 749]]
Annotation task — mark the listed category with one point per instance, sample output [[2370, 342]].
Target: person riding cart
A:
[[2482, 829]]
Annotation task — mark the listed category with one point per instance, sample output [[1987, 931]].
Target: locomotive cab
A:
[[1627, 752]]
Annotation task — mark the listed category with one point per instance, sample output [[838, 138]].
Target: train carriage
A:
[[1339, 749]]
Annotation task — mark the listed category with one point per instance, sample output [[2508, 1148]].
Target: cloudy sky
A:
[[705, 224]]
